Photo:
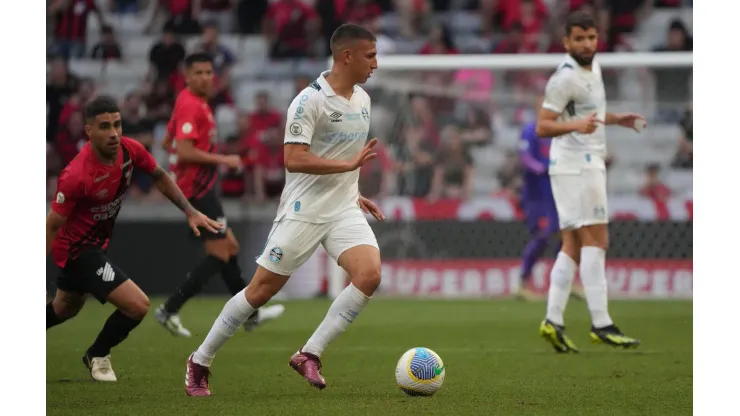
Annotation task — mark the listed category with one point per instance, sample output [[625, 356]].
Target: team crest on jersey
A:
[[296, 129], [297, 206], [60, 198], [187, 128], [276, 254]]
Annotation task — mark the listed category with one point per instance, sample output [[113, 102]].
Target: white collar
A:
[[326, 88]]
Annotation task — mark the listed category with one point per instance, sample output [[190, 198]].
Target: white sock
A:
[[593, 276], [235, 313], [561, 278], [342, 312]]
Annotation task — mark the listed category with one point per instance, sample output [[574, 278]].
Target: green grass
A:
[[495, 361]]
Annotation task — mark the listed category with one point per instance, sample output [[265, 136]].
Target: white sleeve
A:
[[303, 114], [558, 92]]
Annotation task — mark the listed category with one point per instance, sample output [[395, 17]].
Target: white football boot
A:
[[100, 368], [171, 322]]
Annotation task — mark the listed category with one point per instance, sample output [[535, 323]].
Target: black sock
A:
[[232, 275], [115, 330], [51, 317], [194, 283]]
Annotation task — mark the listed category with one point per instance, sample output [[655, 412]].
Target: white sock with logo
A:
[[234, 314], [593, 276], [342, 312], [561, 279]]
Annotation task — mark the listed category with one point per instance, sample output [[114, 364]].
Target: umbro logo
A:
[[335, 117], [106, 272]]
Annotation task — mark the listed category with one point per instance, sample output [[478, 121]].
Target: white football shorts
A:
[[291, 243], [580, 198]]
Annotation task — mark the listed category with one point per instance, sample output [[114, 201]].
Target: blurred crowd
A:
[[429, 139]]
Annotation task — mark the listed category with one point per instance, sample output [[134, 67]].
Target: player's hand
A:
[[632, 121], [589, 124], [368, 207], [232, 161], [197, 219], [364, 155]]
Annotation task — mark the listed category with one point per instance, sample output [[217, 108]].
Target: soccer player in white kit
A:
[[326, 132], [574, 115]]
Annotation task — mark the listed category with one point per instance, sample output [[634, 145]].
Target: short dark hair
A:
[[350, 31], [197, 57], [101, 105], [580, 19]]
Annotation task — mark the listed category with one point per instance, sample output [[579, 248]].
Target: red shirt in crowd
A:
[[71, 22], [355, 11], [291, 19]]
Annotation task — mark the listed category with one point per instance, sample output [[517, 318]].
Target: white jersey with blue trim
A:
[[575, 93], [334, 128]]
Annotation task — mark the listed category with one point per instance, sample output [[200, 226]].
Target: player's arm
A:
[[526, 145], [54, 221], [630, 120], [302, 118], [169, 188], [560, 91], [169, 136], [68, 192]]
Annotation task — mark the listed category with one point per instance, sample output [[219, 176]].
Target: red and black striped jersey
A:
[[193, 120], [90, 193]]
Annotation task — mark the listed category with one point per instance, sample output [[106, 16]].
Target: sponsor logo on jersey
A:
[[343, 136], [100, 178], [365, 114], [336, 117], [300, 110], [102, 193]]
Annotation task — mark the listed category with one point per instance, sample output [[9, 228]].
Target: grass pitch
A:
[[495, 361]]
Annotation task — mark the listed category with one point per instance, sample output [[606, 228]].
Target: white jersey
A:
[[334, 128], [576, 93]]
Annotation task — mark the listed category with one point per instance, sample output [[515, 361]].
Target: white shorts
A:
[[291, 243], [580, 198]]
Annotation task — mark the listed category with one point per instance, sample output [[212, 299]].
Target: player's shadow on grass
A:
[[70, 380]]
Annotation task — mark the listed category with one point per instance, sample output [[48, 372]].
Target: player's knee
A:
[[137, 309], [367, 280], [67, 310], [219, 249], [260, 291]]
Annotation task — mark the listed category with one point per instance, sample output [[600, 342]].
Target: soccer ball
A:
[[420, 372]]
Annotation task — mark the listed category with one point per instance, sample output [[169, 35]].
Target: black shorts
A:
[[211, 207], [91, 272]]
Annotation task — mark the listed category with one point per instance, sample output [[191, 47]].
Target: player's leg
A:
[[288, 246], [352, 243], [69, 299], [108, 283], [63, 307], [219, 250], [539, 230], [231, 274], [567, 201]]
